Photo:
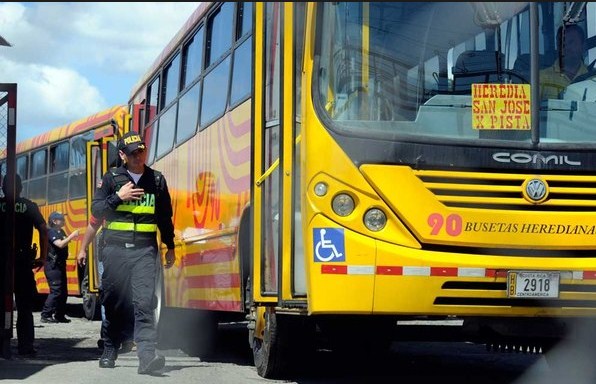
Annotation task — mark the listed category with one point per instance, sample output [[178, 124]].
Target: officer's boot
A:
[[150, 364], [108, 357]]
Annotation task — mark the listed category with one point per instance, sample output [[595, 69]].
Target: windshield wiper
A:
[[573, 13]]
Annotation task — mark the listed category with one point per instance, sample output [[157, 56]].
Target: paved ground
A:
[[68, 353]]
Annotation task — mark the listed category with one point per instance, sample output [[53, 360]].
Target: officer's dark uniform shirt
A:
[[27, 216], [106, 201], [53, 235]]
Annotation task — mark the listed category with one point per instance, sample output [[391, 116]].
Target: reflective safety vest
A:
[[136, 217]]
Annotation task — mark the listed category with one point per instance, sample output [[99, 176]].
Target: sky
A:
[[72, 60]]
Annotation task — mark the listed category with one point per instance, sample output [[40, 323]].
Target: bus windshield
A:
[[458, 70]]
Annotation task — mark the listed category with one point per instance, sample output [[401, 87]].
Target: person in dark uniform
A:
[[27, 217], [134, 207], [54, 308]]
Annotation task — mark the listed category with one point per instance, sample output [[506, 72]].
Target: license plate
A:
[[527, 284]]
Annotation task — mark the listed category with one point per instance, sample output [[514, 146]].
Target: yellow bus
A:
[[343, 169], [59, 169]]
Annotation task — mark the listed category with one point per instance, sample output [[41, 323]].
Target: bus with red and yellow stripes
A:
[[59, 169], [349, 170]]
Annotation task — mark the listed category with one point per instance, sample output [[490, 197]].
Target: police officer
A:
[[134, 207], [27, 216], [54, 308]]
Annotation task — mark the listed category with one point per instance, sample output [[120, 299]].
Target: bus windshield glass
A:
[[460, 70]]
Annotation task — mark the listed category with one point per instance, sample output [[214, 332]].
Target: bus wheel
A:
[[279, 342], [268, 345], [91, 304]]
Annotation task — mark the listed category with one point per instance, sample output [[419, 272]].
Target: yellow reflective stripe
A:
[[146, 227], [135, 208], [117, 226]]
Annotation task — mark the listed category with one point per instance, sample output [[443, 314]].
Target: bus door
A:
[[275, 278], [102, 155]]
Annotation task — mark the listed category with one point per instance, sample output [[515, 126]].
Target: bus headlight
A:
[[343, 204], [320, 189], [375, 219]]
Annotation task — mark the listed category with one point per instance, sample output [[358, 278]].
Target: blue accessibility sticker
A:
[[329, 244]]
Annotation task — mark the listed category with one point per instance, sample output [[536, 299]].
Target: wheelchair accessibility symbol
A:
[[329, 244]]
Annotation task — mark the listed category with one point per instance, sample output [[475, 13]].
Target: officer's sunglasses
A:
[[137, 152]]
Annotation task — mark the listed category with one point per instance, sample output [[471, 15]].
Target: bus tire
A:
[[268, 351], [287, 340], [91, 304]]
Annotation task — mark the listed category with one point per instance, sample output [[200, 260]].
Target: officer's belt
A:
[[136, 244]]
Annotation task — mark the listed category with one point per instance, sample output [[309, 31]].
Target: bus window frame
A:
[[38, 179]]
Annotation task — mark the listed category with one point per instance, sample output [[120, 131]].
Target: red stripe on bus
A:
[[219, 305], [234, 183], [224, 280], [589, 275], [440, 271], [334, 269], [500, 273], [238, 130], [208, 257], [387, 270], [82, 210]]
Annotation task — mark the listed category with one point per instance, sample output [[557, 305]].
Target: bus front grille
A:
[[500, 191]]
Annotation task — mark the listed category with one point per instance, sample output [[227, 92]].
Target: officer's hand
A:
[[82, 258], [37, 264], [170, 257], [129, 192], [75, 233]]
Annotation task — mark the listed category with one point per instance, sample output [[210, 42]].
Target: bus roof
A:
[[68, 130], [190, 23]]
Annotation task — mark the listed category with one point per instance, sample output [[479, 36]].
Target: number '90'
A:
[[452, 224]]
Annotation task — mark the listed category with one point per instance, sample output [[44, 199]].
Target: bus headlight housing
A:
[[320, 189], [375, 219], [343, 204]]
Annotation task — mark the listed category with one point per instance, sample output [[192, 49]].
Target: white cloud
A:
[[71, 60], [48, 97]]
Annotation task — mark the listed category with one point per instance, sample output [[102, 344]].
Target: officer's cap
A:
[[130, 142], [57, 216]]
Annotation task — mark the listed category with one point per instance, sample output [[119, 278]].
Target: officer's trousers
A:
[[24, 291], [129, 276], [128, 325], [55, 304]]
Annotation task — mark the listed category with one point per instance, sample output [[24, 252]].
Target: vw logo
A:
[[536, 190]]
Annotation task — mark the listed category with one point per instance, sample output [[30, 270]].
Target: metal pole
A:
[[8, 103]]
